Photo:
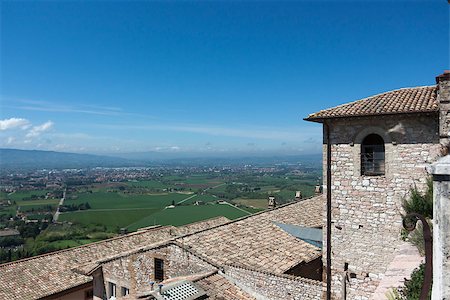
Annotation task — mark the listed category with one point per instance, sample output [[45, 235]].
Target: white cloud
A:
[[38, 130], [10, 140], [261, 133], [14, 123]]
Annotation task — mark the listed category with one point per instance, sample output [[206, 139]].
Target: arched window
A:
[[372, 155]]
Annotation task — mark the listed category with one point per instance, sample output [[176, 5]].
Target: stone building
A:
[[255, 257], [380, 147]]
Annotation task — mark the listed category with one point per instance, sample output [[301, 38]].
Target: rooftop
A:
[[253, 241], [51, 273], [403, 101], [256, 242], [219, 288]]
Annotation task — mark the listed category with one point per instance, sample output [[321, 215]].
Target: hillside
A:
[[13, 159]]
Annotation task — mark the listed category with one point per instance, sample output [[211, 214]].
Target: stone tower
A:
[[380, 147]]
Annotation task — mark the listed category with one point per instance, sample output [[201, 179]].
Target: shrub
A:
[[412, 288], [420, 203]]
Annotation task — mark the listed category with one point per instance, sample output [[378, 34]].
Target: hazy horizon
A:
[[211, 78], [180, 154]]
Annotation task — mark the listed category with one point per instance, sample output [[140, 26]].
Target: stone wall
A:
[[76, 295], [441, 228], [366, 210], [136, 271], [264, 285], [443, 96]]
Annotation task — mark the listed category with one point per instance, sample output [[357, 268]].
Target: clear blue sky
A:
[[213, 77]]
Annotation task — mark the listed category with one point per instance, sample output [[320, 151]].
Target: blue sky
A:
[[207, 77]]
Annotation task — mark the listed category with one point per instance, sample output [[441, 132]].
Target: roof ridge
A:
[[156, 245], [287, 276], [249, 216], [85, 245], [202, 221], [311, 116], [212, 273]]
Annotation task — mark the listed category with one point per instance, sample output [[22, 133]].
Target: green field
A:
[[205, 198], [71, 243], [255, 203], [136, 204], [151, 184], [11, 210], [118, 210], [25, 195], [23, 200], [112, 218], [103, 200], [182, 215]]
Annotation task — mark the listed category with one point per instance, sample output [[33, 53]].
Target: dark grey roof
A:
[[307, 234]]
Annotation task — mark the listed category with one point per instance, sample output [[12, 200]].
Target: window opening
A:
[[125, 291], [372, 155], [112, 290], [159, 269]]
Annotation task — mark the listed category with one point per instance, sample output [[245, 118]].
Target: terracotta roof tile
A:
[[51, 273], [406, 100], [256, 242], [219, 288]]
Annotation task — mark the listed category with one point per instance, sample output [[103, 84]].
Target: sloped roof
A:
[[212, 286], [51, 273], [307, 234], [256, 242], [219, 288], [253, 240], [407, 100]]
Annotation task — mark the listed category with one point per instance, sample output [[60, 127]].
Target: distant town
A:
[[45, 210]]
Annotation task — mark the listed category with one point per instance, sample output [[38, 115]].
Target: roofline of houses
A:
[[249, 216], [311, 117], [413, 113], [81, 246], [287, 276]]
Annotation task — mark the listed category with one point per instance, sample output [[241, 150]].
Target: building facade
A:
[[380, 147]]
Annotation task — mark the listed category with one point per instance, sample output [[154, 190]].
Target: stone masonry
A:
[[265, 285], [441, 228], [366, 210], [135, 271]]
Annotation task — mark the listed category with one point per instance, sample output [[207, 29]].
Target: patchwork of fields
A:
[[175, 200], [116, 210]]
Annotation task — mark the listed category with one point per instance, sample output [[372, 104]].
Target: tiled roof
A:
[[216, 286], [201, 225], [219, 288], [406, 100], [256, 242], [51, 273]]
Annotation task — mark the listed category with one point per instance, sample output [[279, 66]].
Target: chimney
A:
[[318, 189], [298, 195], [443, 98], [272, 202]]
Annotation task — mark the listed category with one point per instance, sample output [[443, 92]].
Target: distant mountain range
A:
[[14, 159]]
